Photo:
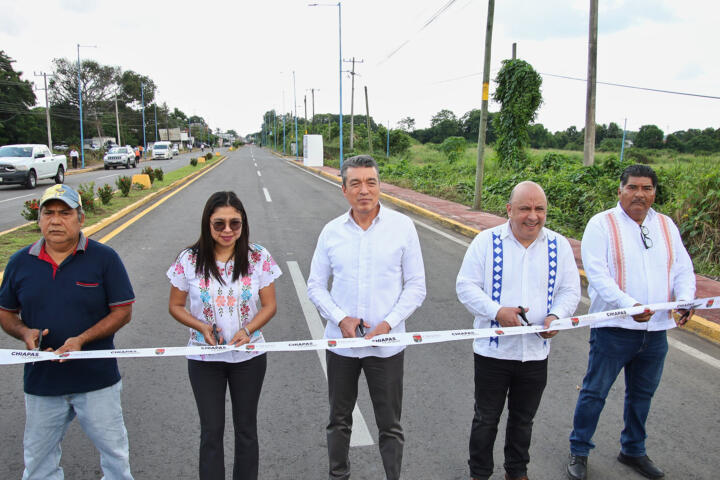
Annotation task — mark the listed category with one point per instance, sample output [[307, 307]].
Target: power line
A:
[[635, 87], [430, 20]]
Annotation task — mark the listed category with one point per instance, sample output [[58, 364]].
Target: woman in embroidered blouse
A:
[[223, 275]]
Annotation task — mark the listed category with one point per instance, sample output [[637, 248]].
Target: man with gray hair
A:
[[373, 255], [73, 294], [515, 274]]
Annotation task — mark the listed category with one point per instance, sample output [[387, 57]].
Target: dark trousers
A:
[[642, 355], [209, 381], [523, 384], [74, 161], [385, 382]]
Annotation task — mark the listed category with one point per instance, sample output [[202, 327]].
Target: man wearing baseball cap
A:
[[66, 293]]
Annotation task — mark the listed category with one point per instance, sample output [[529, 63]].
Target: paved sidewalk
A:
[[469, 222]]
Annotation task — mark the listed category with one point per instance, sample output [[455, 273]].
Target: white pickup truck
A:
[[26, 164]]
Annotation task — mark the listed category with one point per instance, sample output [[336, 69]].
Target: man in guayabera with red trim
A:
[[66, 293], [632, 256]]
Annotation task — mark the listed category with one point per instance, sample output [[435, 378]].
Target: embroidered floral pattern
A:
[[231, 305]]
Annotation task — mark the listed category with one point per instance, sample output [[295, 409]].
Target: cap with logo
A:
[[64, 193]]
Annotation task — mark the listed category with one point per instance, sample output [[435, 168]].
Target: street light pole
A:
[[340, 78], [142, 96], [339, 5], [82, 137]]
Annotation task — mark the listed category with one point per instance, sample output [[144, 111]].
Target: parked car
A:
[[162, 150], [26, 164], [175, 149], [60, 148], [119, 156]]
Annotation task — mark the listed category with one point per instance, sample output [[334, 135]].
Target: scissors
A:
[[37, 349], [525, 320], [216, 334]]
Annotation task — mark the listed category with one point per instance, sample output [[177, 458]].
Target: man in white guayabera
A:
[[632, 256], [378, 280], [516, 273]]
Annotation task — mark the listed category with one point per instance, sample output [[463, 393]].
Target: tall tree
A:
[[98, 84], [649, 136], [407, 124], [16, 97]]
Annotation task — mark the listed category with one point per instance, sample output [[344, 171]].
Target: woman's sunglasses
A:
[[219, 225]]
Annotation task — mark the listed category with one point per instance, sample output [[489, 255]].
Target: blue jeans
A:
[[642, 355], [100, 415]]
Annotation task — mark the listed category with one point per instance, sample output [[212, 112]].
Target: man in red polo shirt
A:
[[77, 293]]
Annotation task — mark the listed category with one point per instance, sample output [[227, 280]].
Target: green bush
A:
[[124, 184], [453, 148], [150, 173], [159, 174], [87, 195], [208, 156], [30, 210], [193, 162], [105, 193]]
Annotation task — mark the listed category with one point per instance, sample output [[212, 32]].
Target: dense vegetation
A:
[[689, 189], [101, 85]]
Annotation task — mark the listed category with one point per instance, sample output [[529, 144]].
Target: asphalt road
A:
[[12, 197], [287, 208]]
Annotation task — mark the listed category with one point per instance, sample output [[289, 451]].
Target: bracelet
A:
[[247, 332]]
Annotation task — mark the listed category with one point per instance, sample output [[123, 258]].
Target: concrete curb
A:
[[700, 326], [92, 229]]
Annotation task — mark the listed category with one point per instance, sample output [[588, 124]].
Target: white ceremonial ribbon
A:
[[8, 357]]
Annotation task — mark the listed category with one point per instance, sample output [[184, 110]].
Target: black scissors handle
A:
[[361, 328], [522, 316], [216, 334], [525, 320]]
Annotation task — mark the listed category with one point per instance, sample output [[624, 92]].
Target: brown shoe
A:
[[508, 477]]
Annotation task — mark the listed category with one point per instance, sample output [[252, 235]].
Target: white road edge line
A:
[[259, 174], [712, 361], [107, 176], [15, 198], [360, 434], [267, 194]]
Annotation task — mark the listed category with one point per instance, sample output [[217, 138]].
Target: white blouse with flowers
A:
[[230, 306]]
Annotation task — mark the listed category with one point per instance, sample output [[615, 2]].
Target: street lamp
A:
[[82, 138], [339, 5]]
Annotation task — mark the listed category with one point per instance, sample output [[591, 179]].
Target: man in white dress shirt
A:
[[378, 280], [632, 256], [517, 264]]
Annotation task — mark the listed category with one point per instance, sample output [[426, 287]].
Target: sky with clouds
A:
[[230, 61]]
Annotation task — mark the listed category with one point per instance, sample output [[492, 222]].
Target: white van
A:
[[162, 150]]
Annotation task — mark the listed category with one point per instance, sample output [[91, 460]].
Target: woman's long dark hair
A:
[[204, 248]]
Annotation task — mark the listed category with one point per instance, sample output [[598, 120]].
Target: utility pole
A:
[[589, 151], [352, 100], [313, 105], [297, 152], [305, 102], [284, 115], [367, 118], [514, 51], [117, 122], [47, 108], [156, 135], [142, 96], [479, 170]]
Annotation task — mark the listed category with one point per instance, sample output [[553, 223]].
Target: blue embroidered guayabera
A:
[[498, 276]]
